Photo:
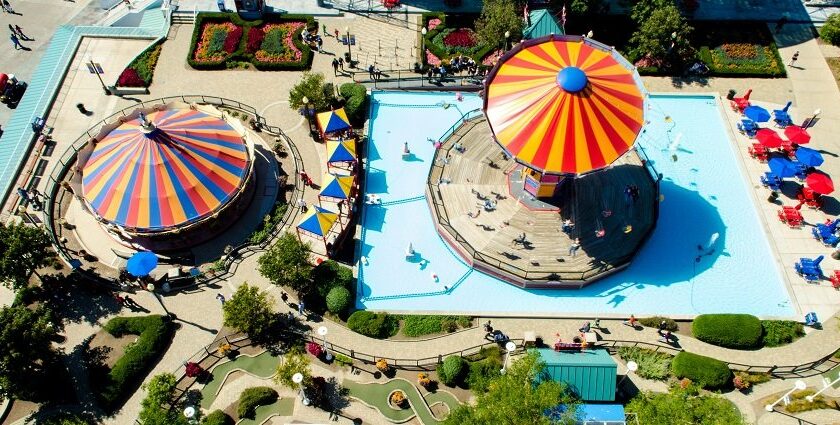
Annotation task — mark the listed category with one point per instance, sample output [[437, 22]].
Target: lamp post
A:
[[298, 379], [93, 66], [510, 347], [799, 385], [423, 33], [811, 120], [24, 213], [323, 332], [349, 52], [308, 112], [631, 367], [507, 37], [189, 413], [151, 288]]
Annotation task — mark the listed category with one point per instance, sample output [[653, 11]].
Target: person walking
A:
[[320, 42], [221, 298], [631, 321], [284, 297], [15, 42], [794, 58], [662, 327], [341, 63], [301, 308], [371, 70], [574, 247], [7, 7], [302, 205], [335, 66]]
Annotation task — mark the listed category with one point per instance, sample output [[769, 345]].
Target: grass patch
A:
[[780, 332], [652, 364], [798, 403], [419, 325], [154, 334]]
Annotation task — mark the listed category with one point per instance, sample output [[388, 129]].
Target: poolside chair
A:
[[790, 216], [758, 151], [810, 198], [826, 237], [835, 279], [827, 228], [771, 181], [811, 319], [748, 127], [788, 148], [781, 116], [739, 103], [809, 269]]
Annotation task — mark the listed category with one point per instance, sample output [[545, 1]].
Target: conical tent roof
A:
[[337, 186], [332, 121], [186, 168], [344, 151], [318, 221], [564, 104]]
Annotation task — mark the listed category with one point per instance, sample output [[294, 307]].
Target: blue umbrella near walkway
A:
[[142, 263], [782, 167], [809, 157], [757, 113]]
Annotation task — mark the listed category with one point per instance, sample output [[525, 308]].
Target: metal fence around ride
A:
[[54, 195]]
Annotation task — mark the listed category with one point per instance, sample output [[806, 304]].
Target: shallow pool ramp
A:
[[18, 133]]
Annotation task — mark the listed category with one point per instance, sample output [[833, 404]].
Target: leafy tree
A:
[[159, 392], [338, 300], [684, 406], [520, 396], [582, 7], [498, 17], [295, 361], [330, 274], [249, 310], [312, 86], [286, 263], [662, 34], [642, 9], [830, 31], [23, 249], [27, 357]]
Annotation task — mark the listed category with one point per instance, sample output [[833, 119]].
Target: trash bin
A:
[[730, 95]]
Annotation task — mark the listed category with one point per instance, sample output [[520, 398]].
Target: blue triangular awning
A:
[[542, 24], [338, 187]]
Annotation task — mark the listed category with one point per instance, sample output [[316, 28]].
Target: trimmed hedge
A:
[[252, 398], [338, 299], [356, 102], [708, 372], [740, 331], [374, 325], [419, 325], [240, 54], [217, 417], [154, 334], [780, 332], [452, 371]]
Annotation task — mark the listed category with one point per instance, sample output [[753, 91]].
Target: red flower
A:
[[461, 37], [314, 348], [193, 369], [256, 35], [232, 40], [130, 78]]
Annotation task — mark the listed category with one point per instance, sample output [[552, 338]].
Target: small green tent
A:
[[542, 24], [591, 374]]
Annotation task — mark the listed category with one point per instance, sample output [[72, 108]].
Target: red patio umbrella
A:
[[768, 138], [797, 134], [819, 182]]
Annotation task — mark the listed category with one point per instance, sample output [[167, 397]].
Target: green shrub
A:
[[253, 397], [217, 417], [652, 364], [342, 359], [780, 332], [374, 325], [330, 274], [705, 371], [798, 402], [356, 102], [154, 333], [451, 372], [418, 325], [830, 31], [482, 372], [653, 322], [740, 331], [338, 300]]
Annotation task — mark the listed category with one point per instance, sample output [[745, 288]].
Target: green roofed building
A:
[[591, 374], [542, 24]]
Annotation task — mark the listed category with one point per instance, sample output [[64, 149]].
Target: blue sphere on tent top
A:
[[572, 79]]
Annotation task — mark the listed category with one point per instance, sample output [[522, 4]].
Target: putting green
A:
[[376, 395], [281, 407], [831, 375], [261, 366]]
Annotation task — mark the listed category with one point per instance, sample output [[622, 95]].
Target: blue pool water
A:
[[704, 191]]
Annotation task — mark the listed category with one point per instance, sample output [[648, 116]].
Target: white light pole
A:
[[189, 413], [349, 53], [798, 385], [510, 347], [323, 332], [810, 122], [423, 32], [631, 367], [826, 385], [507, 36], [298, 379]]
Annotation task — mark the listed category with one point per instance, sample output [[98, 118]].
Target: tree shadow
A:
[[76, 302]]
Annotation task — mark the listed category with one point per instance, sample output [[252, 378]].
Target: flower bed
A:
[[273, 43], [738, 49], [451, 36], [140, 71]]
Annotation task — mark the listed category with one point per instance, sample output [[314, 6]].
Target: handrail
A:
[[67, 159]]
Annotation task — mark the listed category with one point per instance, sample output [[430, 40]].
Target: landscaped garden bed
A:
[[738, 49], [223, 40], [450, 36], [140, 71]]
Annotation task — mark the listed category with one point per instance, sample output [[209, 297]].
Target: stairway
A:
[[183, 17]]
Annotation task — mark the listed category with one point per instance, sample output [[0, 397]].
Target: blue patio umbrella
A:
[[809, 157], [142, 263], [757, 113], [782, 167]]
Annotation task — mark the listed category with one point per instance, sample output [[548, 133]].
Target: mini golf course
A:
[[376, 396]]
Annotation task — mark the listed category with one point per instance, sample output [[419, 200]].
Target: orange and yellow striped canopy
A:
[[564, 104]]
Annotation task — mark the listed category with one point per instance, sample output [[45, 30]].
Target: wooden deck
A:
[[458, 185]]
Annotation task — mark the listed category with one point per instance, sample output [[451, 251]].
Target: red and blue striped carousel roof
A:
[[187, 168]]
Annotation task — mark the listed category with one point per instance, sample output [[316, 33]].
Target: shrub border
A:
[[240, 53], [154, 44], [430, 35]]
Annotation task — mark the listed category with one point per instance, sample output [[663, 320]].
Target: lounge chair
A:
[[826, 237], [835, 279], [811, 319], [788, 149], [782, 117], [740, 103], [748, 127], [810, 198], [758, 151], [809, 269], [771, 181], [790, 216]]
